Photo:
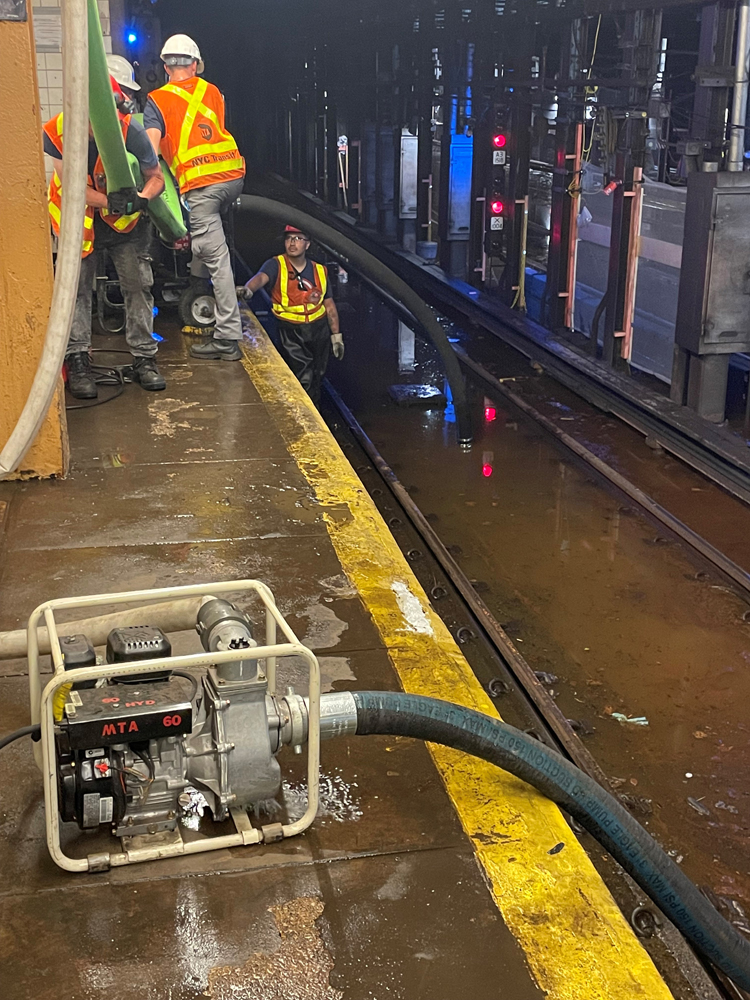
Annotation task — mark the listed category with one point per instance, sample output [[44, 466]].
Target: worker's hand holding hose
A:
[[126, 202], [337, 346]]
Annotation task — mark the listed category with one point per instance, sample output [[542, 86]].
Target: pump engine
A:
[[140, 753]]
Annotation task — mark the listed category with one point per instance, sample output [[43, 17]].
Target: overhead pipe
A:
[[76, 109], [386, 279], [736, 157]]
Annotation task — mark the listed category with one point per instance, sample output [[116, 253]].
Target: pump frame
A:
[[41, 702]]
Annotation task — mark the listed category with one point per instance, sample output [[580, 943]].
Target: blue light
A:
[[132, 38]]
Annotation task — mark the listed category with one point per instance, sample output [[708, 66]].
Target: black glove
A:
[[125, 202]]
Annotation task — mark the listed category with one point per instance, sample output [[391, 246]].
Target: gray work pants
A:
[[129, 253], [211, 253]]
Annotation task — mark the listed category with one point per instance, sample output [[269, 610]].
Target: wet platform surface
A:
[[383, 897]]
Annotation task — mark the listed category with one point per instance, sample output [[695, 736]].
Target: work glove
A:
[[125, 202], [243, 293], [337, 346]]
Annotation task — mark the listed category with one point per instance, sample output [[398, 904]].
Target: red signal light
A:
[[498, 141], [497, 207], [490, 413], [486, 470]]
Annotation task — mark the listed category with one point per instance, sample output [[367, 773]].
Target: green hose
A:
[[103, 111], [105, 123]]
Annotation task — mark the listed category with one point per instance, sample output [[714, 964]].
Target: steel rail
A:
[[580, 374], [498, 637], [695, 443], [704, 548], [709, 552], [686, 962]]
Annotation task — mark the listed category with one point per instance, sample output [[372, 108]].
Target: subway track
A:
[[717, 456], [523, 698], [730, 570]]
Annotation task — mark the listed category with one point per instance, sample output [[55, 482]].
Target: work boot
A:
[[81, 384], [214, 349], [146, 372]]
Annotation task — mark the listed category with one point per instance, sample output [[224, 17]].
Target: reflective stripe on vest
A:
[[120, 223], [306, 312], [222, 155], [54, 205]]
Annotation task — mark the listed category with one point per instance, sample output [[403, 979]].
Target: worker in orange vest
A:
[[121, 229], [185, 122], [307, 321]]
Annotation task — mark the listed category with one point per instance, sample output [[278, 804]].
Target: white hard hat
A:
[[182, 47], [122, 71]]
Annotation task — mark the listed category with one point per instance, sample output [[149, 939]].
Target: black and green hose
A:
[[388, 713]]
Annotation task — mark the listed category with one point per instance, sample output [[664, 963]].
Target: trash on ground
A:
[[698, 806], [635, 720], [637, 803], [544, 678], [426, 396], [724, 805]]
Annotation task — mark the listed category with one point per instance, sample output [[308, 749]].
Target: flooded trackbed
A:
[[649, 652]]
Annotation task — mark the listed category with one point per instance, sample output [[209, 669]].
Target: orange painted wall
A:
[[25, 251]]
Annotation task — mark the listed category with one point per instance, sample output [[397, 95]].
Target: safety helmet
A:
[[181, 50], [294, 229], [122, 71]]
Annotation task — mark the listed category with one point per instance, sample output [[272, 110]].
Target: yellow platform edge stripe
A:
[[576, 941]]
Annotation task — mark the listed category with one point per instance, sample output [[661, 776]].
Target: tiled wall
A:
[[46, 15]]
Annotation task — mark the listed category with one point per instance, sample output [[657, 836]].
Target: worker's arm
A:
[[154, 135], [153, 182], [333, 317], [153, 122], [337, 338], [258, 281], [94, 198]]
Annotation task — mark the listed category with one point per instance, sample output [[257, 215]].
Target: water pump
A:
[[146, 742]]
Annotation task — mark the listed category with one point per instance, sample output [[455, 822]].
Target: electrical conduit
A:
[[75, 107]]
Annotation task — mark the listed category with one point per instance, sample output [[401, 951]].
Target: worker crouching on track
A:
[[307, 320], [122, 230], [185, 120]]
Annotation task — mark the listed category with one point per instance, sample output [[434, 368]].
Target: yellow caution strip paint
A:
[[577, 942]]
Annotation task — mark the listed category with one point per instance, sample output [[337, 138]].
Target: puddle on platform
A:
[[592, 592], [299, 968]]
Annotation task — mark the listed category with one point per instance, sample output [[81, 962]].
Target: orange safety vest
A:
[[289, 302], [196, 145], [120, 223]]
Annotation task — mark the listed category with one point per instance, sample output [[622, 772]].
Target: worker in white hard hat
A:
[[185, 122], [123, 72]]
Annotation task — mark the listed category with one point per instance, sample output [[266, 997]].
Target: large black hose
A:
[[385, 278], [394, 714]]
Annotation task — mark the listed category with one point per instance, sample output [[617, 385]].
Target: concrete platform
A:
[[426, 875]]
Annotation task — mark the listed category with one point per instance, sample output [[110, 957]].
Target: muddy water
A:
[[591, 592]]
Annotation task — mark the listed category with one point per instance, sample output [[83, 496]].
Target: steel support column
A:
[[519, 153]]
